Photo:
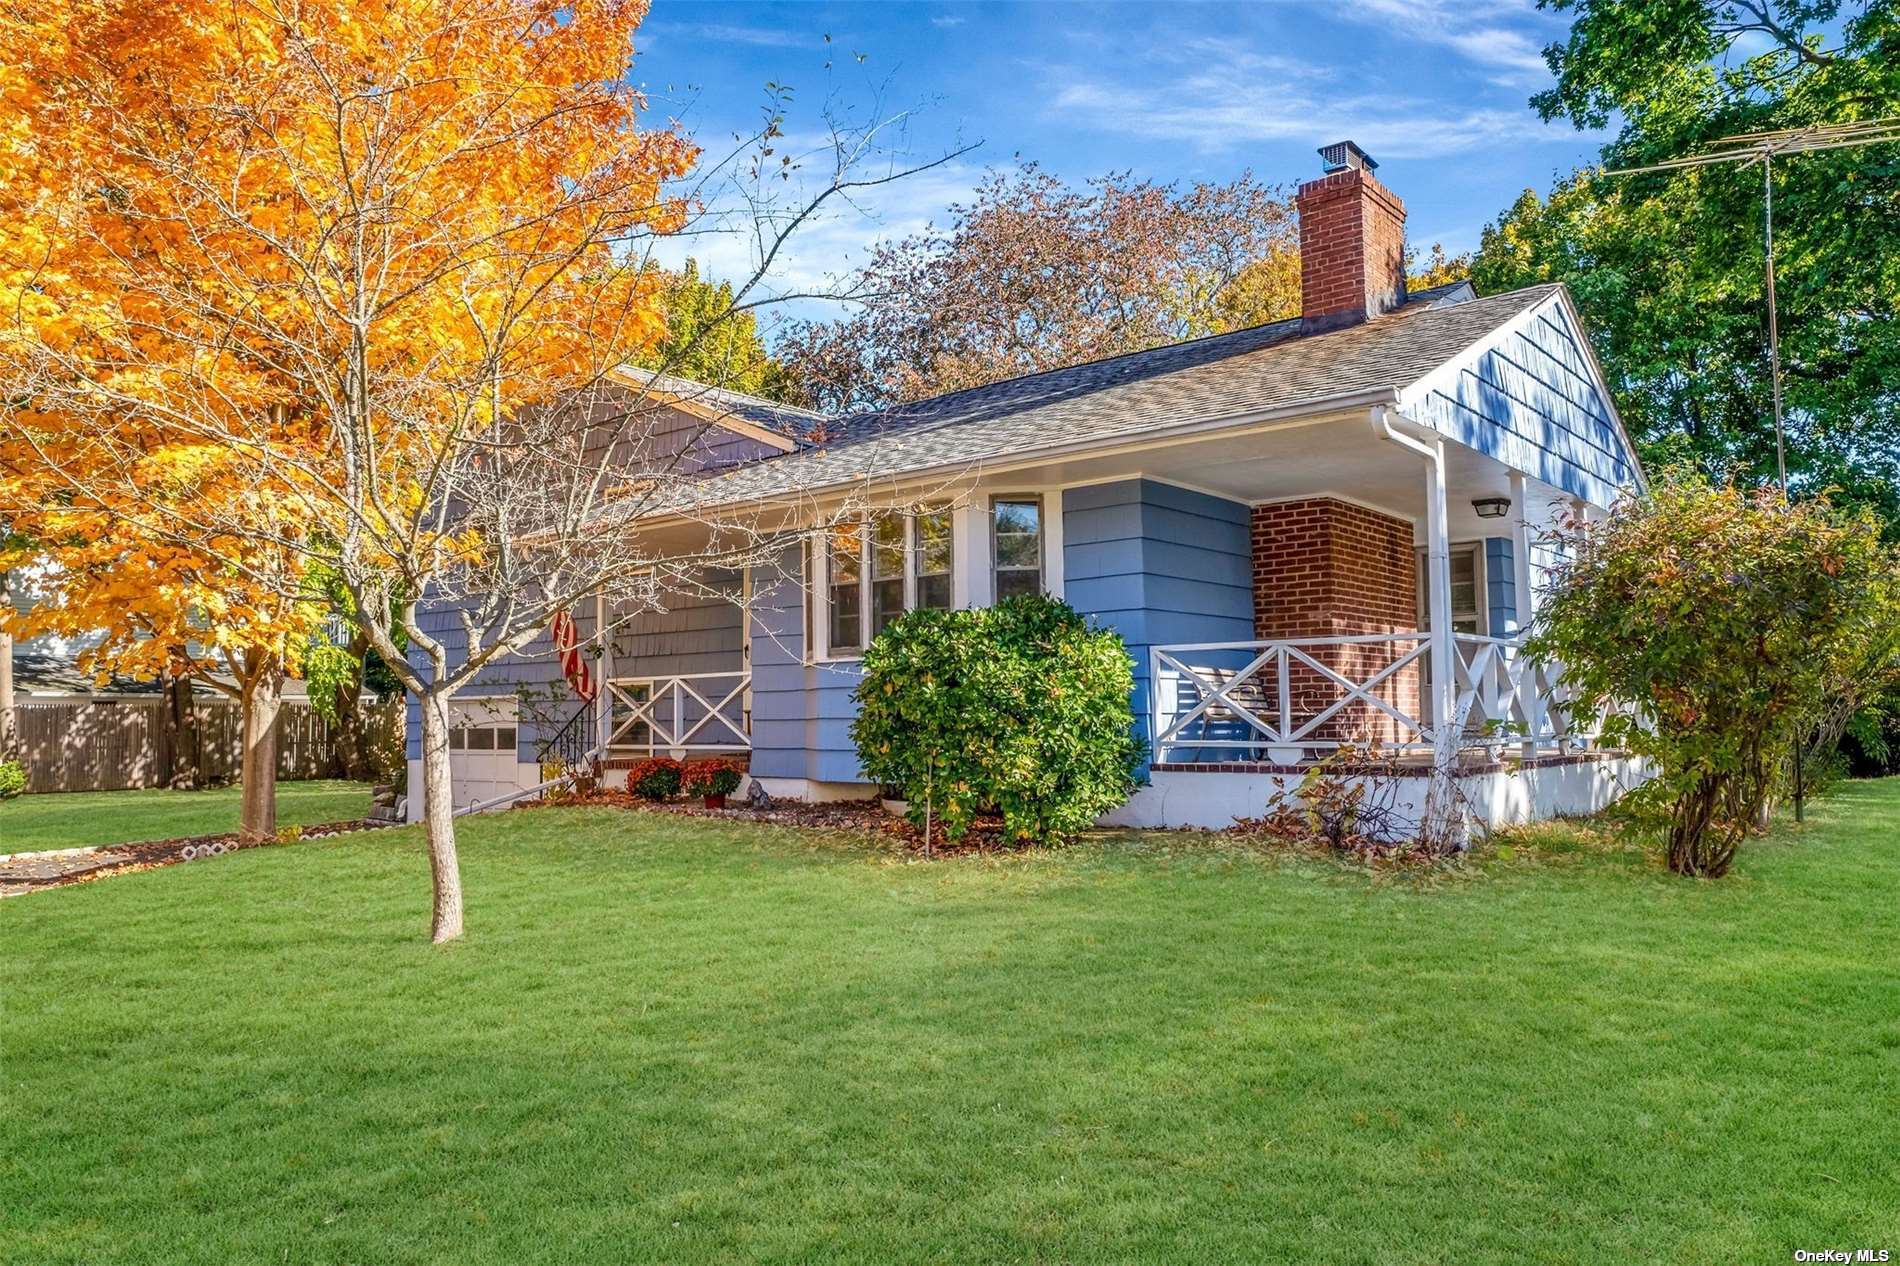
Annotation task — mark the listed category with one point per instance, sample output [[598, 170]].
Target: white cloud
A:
[[1222, 94], [727, 33], [1489, 32], [947, 20]]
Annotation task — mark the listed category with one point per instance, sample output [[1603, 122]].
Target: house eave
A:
[[1307, 411]]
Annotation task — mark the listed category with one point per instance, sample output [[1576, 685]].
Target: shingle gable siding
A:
[[1530, 399]]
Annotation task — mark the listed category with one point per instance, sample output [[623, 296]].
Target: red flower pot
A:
[[716, 802]]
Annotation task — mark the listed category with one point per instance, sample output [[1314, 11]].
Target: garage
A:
[[482, 749]]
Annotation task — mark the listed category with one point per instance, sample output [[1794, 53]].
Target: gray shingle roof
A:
[[1268, 367], [785, 419]]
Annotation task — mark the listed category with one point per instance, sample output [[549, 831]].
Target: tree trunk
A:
[[349, 744], [438, 809], [9, 732], [262, 696], [9, 735], [180, 749]]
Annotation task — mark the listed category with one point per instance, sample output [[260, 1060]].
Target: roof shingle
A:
[[1266, 368]]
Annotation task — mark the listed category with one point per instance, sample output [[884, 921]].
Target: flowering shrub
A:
[[1723, 624], [655, 778], [1020, 708], [713, 777]]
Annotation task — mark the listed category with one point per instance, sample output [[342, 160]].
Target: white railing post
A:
[[1156, 703], [1284, 682]]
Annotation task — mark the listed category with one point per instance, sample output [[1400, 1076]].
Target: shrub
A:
[[713, 777], [655, 778], [12, 779], [1021, 708], [1728, 624]]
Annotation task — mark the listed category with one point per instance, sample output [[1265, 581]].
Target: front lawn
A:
[[73, 819], [681, 1040]]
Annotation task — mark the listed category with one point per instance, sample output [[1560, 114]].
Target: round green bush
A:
[[12, 779], [1020, 708]]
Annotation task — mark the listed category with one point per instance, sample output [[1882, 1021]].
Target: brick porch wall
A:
[[1328, 568]]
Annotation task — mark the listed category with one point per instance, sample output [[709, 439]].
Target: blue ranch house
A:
[[1317, 532]]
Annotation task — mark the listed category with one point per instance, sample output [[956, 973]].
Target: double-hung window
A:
[[1016, 545], [876, 571]]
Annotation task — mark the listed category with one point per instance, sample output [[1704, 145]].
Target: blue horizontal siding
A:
[[1159, 565]]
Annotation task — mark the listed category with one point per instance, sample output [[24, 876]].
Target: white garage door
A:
[[482, 749]]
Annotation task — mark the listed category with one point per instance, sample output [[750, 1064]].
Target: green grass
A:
[[673, 1040], [73, 819]]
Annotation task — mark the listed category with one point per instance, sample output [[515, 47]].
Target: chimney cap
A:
[[1343, 155]]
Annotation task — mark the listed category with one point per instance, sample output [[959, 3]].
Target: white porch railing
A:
[[695, 712], [1296, 699]]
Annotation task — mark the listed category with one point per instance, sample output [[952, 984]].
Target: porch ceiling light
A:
[[1491, 507]]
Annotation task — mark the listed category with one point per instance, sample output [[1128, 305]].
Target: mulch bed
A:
[[31, 872], [853, 817]]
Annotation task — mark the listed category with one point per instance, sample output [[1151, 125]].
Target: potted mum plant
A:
[[714, 780]]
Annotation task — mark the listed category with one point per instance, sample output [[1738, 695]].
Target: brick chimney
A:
[[1352, 242]]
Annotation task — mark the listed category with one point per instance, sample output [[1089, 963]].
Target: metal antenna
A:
[[1762, 147]]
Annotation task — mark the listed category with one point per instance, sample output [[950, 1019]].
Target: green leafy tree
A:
[[1724, 626], [710, 341], [1668, 267], [1020, 708], [339, 665]]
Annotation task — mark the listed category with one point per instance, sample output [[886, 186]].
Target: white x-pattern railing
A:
[[1294, 699], [696, 712]]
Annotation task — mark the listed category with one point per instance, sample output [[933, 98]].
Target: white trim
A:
[[812, 791], [970, 548], [1054, 575], [1212, 801]]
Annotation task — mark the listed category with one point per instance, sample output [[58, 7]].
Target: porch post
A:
[[1444, 648], [1523, 674], [1521, 555], [1444, 824], [603, 669]]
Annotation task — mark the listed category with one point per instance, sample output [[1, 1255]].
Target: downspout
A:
[[1443, 822]]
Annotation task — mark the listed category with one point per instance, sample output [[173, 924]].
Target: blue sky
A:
[[1435, 90]]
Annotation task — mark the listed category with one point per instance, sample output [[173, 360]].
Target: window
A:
[[932, 532], [1467, 612], [876, 571], [887, 571], [1464, 591], [1016, 534], [845, 572]]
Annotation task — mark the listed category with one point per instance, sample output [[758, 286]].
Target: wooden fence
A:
[[115, 744]]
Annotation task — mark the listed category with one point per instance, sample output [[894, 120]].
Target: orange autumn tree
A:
[[382, 258], [142, 529], [159, 608]]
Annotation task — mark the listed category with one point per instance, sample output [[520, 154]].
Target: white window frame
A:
[[1042, 538], [1481, 591], [823, 651]]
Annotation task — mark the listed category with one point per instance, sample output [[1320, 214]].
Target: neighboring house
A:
[[1318, 531]]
